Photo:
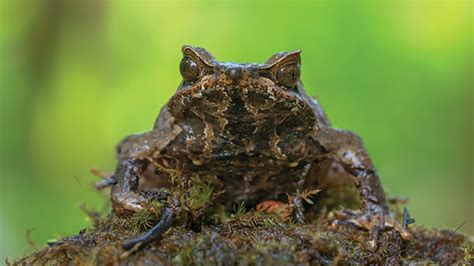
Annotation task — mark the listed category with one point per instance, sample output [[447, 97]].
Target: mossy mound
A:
[[250, 238], [205, 232]]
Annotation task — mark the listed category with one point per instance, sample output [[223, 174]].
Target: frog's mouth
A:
[[240, 120]]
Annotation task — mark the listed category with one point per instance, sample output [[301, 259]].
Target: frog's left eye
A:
[[189, 69], [288, 75]]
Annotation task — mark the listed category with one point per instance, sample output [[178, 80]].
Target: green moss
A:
[[251, 238], [206, 233]]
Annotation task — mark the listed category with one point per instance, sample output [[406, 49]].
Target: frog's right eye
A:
[[288, 75], [189, 69]]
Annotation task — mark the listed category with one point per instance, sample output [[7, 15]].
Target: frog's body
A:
[[251, 129]]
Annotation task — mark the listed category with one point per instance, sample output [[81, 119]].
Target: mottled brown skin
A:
[[251, 130]]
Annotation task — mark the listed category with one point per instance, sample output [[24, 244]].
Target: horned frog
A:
[[254, 131]]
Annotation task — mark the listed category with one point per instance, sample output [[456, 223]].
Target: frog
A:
[[253, 130]]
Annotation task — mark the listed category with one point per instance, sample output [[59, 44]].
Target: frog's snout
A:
[[234, 72]]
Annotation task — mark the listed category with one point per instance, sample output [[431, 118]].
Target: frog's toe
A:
[[390, 222], [127, 201], [133, 206]]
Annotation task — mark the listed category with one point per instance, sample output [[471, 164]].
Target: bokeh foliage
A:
[[77, 76]]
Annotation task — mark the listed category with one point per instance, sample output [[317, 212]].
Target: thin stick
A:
[[167, 218]]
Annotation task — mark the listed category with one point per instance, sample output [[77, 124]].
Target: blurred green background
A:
[[77, 76]]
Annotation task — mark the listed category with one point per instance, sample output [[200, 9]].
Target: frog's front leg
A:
[[133, 153], [124, 195], [348, 150]]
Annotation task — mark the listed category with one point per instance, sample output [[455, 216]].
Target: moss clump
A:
[[205, 232], [249, 237]]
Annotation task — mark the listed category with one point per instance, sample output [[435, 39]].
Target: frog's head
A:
[[227, 109]]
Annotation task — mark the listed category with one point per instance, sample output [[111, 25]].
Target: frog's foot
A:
[[374, 222], [125, 202], [273, 206]]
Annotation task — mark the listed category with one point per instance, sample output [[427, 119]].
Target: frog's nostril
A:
[[234, 73]]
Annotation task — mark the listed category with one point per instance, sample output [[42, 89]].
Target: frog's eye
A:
[[189, 69], [288, 75]]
